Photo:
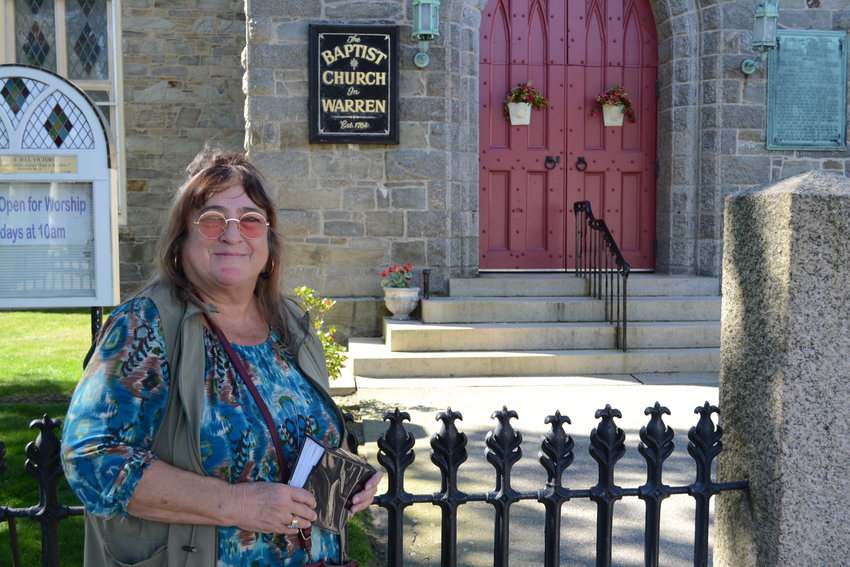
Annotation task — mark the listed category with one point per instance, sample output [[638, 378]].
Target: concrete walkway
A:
[[533, 399]]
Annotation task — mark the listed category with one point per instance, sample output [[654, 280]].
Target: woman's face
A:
[[230, 263]]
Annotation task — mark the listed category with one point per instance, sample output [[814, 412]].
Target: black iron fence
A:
[[607, 447], [598, 260], [42, 464]]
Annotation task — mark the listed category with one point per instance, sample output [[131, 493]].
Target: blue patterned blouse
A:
[[120, 401]]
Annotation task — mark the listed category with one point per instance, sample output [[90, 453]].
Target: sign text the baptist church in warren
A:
[[354, 84]]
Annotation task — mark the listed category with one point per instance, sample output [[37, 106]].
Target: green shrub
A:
[[334, 352]]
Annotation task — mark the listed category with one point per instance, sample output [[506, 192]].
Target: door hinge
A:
[[655, 167], [657, 88], [655, 247]]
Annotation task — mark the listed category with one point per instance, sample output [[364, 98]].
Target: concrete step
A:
[[371, 358], [517, 285], [443, 310], [503, 325], [414, 336], [567, 284], [672, 286]]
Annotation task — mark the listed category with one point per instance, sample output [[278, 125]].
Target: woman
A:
[[164, 442]]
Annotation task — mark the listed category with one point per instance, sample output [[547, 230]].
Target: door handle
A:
[[551, 162], [581, 163]]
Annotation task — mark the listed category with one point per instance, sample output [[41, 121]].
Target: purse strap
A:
[[305, 535]]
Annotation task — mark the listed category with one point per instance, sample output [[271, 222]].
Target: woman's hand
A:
[[364, 498], [168, 494], [271, 507]]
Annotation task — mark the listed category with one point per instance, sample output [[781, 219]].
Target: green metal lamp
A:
[[426, 27], [765, 21]]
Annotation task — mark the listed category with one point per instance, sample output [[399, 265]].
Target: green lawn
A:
[[40, 362], [42, 352]]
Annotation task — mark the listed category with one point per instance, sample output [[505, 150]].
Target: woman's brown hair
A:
[[210, 172]]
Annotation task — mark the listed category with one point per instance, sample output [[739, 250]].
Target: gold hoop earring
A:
[[175, 263]]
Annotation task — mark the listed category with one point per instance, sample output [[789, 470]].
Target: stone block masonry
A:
[[352, 210], [235, 72], [182, 88], [785, 376]]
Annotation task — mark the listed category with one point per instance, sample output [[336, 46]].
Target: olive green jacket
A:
[[127, 540]]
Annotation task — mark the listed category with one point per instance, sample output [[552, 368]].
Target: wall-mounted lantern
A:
[[765, 22], [426, 26]]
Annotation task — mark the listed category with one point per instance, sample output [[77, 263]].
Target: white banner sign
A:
[[42, 213]]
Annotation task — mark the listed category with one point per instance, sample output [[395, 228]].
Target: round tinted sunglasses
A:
[[212, 224]]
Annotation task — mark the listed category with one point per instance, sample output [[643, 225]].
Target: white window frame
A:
[[113, 108]]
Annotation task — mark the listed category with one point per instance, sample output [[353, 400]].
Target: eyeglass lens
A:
[[213, 224]]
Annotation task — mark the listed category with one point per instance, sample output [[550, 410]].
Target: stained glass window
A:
[[75, 39], [88, 55], [16, 95], [35, 33], [58, 123]]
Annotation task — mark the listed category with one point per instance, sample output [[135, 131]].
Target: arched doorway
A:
[[572, 53]]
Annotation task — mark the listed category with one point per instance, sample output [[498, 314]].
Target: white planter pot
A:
[[612, 114], [401, 301], [520, 113]]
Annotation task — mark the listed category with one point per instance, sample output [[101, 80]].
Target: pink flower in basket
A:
[[616, 96]]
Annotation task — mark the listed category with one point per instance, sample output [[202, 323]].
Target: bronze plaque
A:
[[807, 91], [38, 164], [354, 84]]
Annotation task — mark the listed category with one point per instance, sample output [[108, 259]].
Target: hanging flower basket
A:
[[520, 113], [614, 96], [613, 114], [526, 94]]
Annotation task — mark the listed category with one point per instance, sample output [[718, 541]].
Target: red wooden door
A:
[[571, 51]]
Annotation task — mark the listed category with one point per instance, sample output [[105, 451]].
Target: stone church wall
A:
[[713, 119], [182, 87], [350, 210], [236, 73]]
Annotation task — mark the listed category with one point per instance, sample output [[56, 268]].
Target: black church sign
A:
[[354, 84]]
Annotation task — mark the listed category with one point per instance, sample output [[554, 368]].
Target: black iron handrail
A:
[[600, 262]]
